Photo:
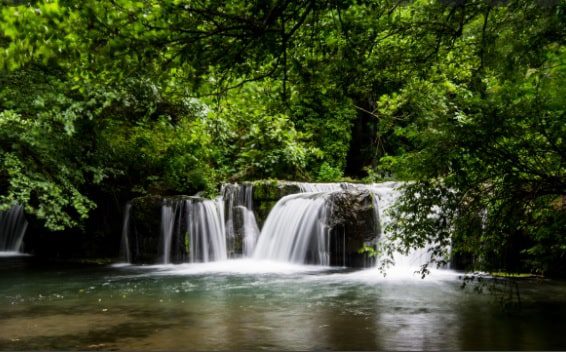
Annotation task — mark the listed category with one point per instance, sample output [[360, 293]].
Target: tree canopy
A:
[[463, 98]]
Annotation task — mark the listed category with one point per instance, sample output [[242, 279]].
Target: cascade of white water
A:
[[168, 214], [205, 227], [202, 233], [13, 226], [240, 219], [319, 187], [387, 193], [251, 232], [296, 230], [125, 243]]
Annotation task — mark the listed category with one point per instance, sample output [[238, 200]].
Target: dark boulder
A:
[[145, 229], [354, 222], [145, 234]]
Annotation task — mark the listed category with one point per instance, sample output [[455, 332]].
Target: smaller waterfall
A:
[[168, 215], [251, 232], [13, 226], [387, 194], [205, 230], [173, 230], [296, 231], [125, 253], [240, 222]]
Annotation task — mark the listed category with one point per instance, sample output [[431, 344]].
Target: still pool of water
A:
[[250, 305]]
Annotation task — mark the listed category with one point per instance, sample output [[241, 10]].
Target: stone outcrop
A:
[[354, 223], [145, 229], [266, 193]]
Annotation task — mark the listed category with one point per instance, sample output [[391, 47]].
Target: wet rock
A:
[[266, 193], [354, 220], [145, 229], [354, 223]]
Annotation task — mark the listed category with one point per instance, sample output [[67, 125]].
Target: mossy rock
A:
[[272, 190], [266, 193]]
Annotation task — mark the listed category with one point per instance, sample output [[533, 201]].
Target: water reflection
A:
[[203, 308]]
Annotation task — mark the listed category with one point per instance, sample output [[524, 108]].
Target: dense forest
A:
[[105, 100]]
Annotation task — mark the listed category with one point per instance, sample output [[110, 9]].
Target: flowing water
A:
[[168, 215], [206, 231], [295, 227], [12, 229], [247, 305], [125, 253], [269, 300], [238, 197], [251, 232]]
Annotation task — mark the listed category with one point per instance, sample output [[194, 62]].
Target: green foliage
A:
[[256, 144], [327, 173], [368, 250], [32, 175], [164, 157], [464, 98], [485, 140], [328, 125]]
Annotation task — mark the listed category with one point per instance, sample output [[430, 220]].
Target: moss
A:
[[266, 193], [187, 239], [261, 211], [273, 190]]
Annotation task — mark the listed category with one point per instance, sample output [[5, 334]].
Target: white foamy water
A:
[[242, 266], [399, 273], [13, 254], [13, 226], [206, 230], [251, 232], [247, 267], [295, 231]]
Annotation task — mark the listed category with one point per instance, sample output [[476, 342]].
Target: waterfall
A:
[[168, 215], [193, 228], [13, 226], [326, 224], [125, 243], [301, 228], [205, 230], [387, 194], [173, 230], [251, 232], [240, 222], [296, 231]]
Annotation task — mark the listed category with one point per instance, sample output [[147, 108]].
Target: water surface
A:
[[244, 304]]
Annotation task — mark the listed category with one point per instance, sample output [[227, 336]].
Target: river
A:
[[248, 305]]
